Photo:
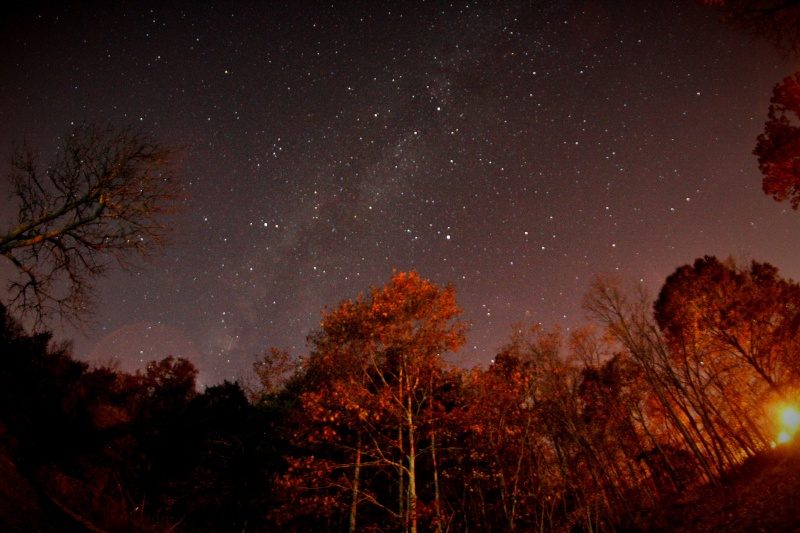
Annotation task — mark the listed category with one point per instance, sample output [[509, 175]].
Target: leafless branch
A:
[[100, 203]]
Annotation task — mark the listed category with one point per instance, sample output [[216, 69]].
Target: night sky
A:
[[515, 149]]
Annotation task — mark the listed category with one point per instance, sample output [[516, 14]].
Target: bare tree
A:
[[99, 203]]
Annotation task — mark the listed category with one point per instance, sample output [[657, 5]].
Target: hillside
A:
[[760, 496], [21, 509]]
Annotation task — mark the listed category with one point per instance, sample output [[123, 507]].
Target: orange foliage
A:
[[778, 148]]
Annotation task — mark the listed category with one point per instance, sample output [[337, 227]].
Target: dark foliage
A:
[[120, 452]]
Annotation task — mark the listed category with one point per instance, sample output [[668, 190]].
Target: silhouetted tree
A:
[[100, 201], [778, 21], [36, 382], [224, 484]]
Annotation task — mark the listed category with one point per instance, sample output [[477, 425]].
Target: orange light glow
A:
[[791, 419], [790, 423]]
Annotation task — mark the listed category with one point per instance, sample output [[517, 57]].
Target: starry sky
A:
[[515, 149]]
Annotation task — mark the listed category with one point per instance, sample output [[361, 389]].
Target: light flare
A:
[[791, 419], [790, 423]]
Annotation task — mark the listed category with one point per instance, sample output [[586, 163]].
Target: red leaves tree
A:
[[506, 465], [778, 148], [739, 315], [370, 402]]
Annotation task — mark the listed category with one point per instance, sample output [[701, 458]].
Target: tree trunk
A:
[[412, 475], [356, 473], [437, 506], [401, 495]]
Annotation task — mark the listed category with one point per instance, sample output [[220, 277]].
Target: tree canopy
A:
[[778, 21], [778, 148], [588, 430]]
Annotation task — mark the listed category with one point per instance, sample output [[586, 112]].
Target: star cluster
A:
[[514, 149]]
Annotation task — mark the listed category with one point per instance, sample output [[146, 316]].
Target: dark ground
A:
[[763, 495]]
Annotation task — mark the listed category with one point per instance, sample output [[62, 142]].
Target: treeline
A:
[[112, 451], [373, 431]]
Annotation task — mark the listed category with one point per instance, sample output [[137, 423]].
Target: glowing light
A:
[[791, 419], [790, 422]]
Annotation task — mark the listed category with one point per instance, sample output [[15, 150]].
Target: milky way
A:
[[514, 150]]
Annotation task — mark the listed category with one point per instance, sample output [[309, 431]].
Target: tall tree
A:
[[513, 465], [376, 363], [627, 317], [740, 315], [100, 201]]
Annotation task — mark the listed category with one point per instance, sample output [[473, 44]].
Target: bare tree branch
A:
[[100, 203]]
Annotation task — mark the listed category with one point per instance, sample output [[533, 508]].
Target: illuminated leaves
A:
[[778, 148], [733, 314], [372, 385]]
